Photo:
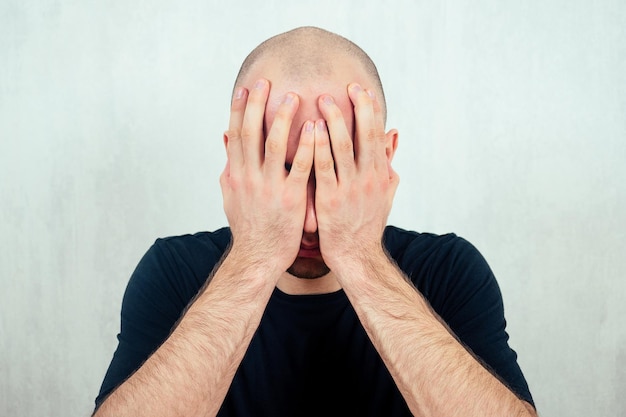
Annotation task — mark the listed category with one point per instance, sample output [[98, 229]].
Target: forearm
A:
[[436, 375], [190, 373]]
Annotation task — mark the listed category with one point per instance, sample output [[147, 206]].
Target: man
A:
[[312, 305]]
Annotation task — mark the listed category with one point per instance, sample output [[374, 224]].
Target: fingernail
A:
[[371, 94], [288, 98], [328, 100], [356, 87], [320, 125], [239, 93], [308, 126], [259, 84]]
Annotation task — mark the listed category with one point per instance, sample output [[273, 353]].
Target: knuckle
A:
[[324, 165], [346, 164], [267, 191], [290, 200], [223, 180], [345, 146], [232, 182], [233, 135], [371, 134], [251, 187], [334, 203], [370, 188], [246, 133], [272, 145], [300, 166]]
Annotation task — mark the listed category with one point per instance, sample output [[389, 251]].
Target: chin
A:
[[308, 268]]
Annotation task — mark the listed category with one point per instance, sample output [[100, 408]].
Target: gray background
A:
[[512, 120]]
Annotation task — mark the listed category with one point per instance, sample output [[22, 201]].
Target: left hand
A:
[[355, 189]]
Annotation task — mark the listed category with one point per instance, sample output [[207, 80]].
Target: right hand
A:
[[264, 203]]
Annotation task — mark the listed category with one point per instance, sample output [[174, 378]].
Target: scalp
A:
[[308, 53]]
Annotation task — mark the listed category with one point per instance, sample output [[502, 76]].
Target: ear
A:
[[226, 141], [391, 143]]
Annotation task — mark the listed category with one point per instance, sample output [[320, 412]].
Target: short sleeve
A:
[[475, 312], [460, 286], [165, 280]]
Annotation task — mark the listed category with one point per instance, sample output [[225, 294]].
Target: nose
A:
[[310, 218]]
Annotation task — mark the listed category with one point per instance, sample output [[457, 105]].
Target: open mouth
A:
[[309, 252]]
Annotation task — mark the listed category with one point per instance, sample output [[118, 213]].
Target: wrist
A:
[[358, 263], [253, 264]]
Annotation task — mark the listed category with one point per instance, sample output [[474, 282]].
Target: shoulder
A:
[[197, 243], [446, 269], [188, 253], [409, 248], [191, 255], [178, 265]]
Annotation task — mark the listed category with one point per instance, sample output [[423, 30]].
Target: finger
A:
[[366, 132], [232, 137], [340, 140], [252, 127], [381, 161], [303, 159], [278, 136], [324, 164]]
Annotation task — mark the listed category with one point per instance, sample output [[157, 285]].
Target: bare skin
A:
[[338, 192], [435, 374]]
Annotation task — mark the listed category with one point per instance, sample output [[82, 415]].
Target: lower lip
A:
[[309, 253]]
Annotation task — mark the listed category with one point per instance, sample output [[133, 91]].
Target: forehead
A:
[[308, 79], [309, 85]]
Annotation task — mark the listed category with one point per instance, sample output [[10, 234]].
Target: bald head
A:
[[310, 56]]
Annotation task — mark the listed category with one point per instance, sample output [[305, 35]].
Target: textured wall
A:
[[512, 120]]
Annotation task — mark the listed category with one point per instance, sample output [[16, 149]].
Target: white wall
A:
[[512, 119]]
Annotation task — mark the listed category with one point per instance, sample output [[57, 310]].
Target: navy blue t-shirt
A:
[[310, 355]]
